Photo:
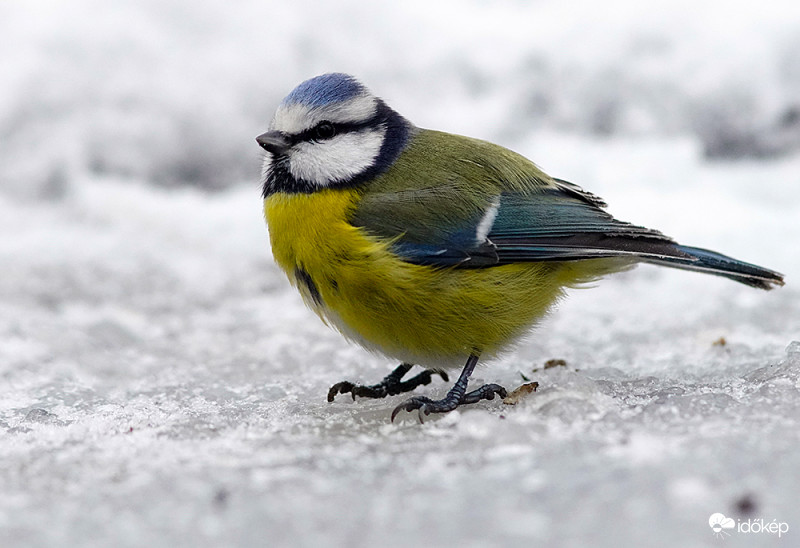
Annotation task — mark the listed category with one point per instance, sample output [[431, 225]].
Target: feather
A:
[[491, 209]]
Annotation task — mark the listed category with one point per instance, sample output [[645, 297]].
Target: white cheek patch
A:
[[337, 159], [297, 117]]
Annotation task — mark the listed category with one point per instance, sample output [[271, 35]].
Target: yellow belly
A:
[[416, 314]]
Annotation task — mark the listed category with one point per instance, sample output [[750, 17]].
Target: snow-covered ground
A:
[[161, 384]]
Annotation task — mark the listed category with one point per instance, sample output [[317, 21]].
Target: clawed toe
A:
[[441, 372], [457, 395], [391, 385], [394, 384], [418, 402], [341, 388], [485, 392], [426, 406]]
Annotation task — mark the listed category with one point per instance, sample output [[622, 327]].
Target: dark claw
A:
[[417, 402], [427, 406], [391, 385], [485, 392], [457, 395], [422, 379], [341, 388], [441, 372]]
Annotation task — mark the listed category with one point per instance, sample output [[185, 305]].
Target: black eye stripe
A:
[[397, 132], [339, 127], [324, 130]]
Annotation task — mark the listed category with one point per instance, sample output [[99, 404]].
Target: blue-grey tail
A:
[[711, 262]]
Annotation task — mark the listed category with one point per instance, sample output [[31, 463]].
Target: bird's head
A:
[[330, 131]]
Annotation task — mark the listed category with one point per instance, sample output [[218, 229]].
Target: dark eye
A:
[[324, 130]]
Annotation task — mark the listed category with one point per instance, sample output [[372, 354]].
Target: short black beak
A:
[[274, 142]]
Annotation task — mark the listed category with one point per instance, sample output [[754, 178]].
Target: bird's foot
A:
[[454, 398], [391, 385]]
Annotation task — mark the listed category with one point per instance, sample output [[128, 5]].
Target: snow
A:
[[162, 385]]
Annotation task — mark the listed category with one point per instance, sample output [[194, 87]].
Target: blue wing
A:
[[551, 223], [559, 223]]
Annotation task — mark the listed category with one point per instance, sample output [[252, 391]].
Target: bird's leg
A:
[[457, 395], [389, 386]]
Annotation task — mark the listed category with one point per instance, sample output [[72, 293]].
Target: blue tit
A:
[[432, 248]]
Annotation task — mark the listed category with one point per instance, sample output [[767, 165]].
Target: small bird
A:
[[432, 248]]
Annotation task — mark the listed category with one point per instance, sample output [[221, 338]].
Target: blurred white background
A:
[[168, 91], [161, 384]]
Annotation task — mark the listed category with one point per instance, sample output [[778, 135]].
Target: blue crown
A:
[[325, 89]]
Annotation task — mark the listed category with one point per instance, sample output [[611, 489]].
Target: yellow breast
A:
[[416, 314]]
